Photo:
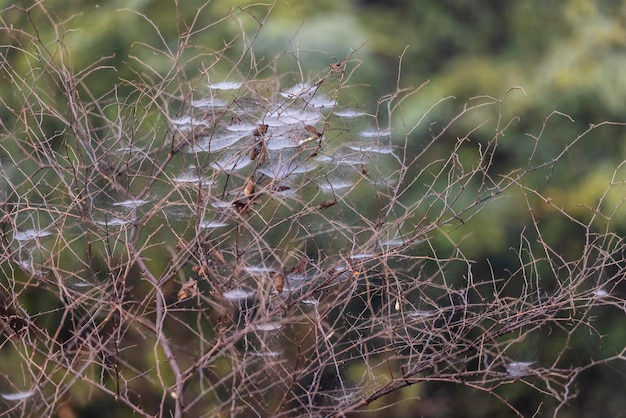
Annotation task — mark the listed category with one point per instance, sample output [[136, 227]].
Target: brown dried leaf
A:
[[260, 130], [242, 207], [327, 203], [249, 188], [254, 152], [188, 290], [262, 154], [313, 130], [202, 271], [300, 266], [279, 282]]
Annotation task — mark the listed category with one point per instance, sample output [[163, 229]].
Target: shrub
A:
[[259, 246]]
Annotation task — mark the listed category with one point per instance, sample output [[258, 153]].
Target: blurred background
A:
[[566, 56], [558, 67]]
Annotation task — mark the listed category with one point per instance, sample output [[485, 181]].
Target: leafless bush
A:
[[261, 247]]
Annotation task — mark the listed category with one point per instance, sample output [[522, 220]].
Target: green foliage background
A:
[[567, 56]]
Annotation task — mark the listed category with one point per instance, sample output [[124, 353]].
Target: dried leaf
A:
[[242, 207], [279, 282], [188, 290], [200, 270], [254, 152], [300, 266], [249, 187], [259, 150], [262, 154], [313, 130], [327, 203], [260, 130]]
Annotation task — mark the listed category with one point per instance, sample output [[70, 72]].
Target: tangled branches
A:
[[261, 247]]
